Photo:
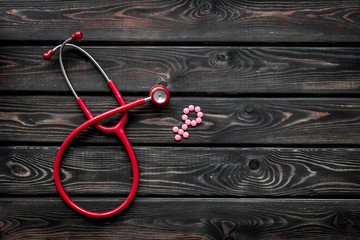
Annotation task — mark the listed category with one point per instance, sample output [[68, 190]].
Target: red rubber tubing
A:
[[89, 115], [121, 134]]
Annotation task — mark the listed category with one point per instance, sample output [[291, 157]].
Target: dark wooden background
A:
[[278, 153]]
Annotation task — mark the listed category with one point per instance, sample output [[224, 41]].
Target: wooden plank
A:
[[180, 171], [183, 21], [153, 218], [226, 70], [226, 120]]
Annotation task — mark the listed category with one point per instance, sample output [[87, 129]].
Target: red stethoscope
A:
[[159, 95]]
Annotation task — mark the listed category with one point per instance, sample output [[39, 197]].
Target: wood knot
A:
[[228, 59], [210, 8], [349, 222], [205, 6], [254, 164], [249, 108], [221, 57], [18, 169]]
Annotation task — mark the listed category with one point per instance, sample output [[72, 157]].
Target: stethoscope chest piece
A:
[[159, 95]]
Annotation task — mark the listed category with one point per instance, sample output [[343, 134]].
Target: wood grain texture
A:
[[181, 171], [183, 20], [173, 218], [281, 119], [226, 120], [220, 70]]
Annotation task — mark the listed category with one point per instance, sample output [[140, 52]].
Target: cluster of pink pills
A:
[[182, 131]]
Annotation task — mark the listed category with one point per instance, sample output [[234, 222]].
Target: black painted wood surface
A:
[[277, 156], [178, 218], [226, 120], [184, 20], [187, 70], [184, 171]]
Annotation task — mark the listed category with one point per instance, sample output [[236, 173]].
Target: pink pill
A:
[[175, 129], [184, 127], [184, 117], [198, 120], [177, 137], [200, 114], [186, 135], [186, 110], [193, 123], [191, 107], [188, 122], [197, 109], [181, 132]]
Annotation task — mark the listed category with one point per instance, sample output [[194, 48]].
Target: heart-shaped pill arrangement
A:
[[181, 132]]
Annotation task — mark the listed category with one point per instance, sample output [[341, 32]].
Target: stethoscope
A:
[[159, 95]]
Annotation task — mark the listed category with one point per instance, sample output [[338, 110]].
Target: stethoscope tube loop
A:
[[121, 134]]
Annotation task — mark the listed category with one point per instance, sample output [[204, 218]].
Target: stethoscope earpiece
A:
[[48, 54], [77, 35], [160, 95]]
